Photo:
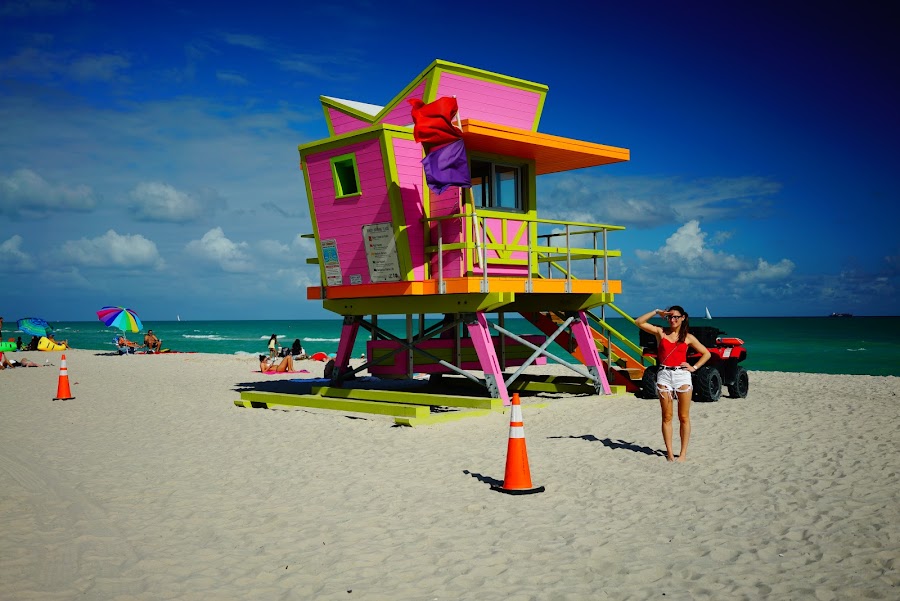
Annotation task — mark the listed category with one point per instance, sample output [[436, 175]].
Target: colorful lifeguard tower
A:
[[387, 245]]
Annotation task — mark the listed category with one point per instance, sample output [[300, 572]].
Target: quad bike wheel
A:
[[741, 385], [648, 382], [708, 384]]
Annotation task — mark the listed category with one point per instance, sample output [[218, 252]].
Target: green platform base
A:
[[407, 409]]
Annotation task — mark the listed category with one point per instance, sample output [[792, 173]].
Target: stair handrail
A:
[[628, 343]]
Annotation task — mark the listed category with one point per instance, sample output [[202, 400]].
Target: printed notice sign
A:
[[332, 263], [381, 252]]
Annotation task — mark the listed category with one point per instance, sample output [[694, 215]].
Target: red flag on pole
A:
[[445, 162]]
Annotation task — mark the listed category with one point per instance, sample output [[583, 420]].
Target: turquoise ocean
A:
[[852, 345]]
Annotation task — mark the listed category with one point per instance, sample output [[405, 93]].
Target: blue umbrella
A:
[[34, 326]]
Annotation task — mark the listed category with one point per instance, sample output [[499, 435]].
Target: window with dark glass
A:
[[346, 176], [498, 185]]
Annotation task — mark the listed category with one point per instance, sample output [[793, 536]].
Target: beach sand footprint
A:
[[82, 551]]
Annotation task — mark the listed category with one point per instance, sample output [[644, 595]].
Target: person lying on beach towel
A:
[[23, 362], [270, 365]]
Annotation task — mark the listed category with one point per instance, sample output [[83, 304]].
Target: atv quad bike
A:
[[722, 368]]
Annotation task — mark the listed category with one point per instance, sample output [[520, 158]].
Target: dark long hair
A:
[[685, 323]]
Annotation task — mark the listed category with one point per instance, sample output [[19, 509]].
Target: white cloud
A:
[[43, 64], [274, 249], [652, 201], [245, 40], [112, 250], [13, 258], [155, 201], [685, 254], [215, 247], [304, 245], [97, 67], [24, 193], [766, 272], [231, 77]]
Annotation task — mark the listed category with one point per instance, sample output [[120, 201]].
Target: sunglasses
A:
[[674, 317]]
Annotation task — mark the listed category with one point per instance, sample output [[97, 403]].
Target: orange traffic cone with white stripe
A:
[[517, 480], [62, 391]]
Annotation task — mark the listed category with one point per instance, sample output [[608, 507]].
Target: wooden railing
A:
[[554, 249]]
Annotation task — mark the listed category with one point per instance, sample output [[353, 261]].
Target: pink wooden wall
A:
[[342, 219], [408, 155], [495, 229], [342, 122], [451, 231], [402, 113], [491, 102]]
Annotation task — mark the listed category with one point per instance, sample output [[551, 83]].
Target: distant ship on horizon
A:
[[841, 315]]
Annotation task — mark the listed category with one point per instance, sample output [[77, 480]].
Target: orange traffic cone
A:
[[517, 480], [62, 392]]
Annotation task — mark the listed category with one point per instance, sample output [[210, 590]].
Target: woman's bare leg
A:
[[287, 364], [665, 404], [684, 419]]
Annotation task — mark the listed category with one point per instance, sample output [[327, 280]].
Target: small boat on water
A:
[[708, 316], [841, 315]]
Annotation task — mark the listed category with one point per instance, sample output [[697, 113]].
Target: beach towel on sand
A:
[[269, 373]]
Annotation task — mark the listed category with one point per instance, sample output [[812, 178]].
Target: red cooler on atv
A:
[[721, 369]]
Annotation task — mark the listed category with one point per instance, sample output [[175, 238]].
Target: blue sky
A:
[[148, 156]]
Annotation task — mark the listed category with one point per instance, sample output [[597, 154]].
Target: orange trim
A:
[[551, 154], [460, 286]]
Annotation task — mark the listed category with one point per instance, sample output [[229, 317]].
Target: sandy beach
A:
[[151, 484]]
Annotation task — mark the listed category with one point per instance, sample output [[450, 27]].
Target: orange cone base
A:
[[68, 398], [518, 491]]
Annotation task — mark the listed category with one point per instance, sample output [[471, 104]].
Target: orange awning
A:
[[551, 154]]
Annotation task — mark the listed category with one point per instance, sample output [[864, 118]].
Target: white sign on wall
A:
[[332, 263], [381, 252]]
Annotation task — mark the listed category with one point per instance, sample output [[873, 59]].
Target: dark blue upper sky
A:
[[148, 152]]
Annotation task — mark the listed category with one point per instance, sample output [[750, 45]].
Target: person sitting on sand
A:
[[50, 337], [297, 350], [152, 343], [4, 362], [268, 364]]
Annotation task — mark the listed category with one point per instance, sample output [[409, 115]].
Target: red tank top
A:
[[672, 354]]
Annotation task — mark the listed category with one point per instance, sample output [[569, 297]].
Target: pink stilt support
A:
[[487, 356], [345, 346], [588, 349]]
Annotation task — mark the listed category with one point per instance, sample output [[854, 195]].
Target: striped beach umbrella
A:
[[120, 317]]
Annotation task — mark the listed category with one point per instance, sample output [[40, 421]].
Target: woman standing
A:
[[273, 343], [674, 377]]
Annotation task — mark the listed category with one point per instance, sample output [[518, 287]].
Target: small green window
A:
[[346, 176]]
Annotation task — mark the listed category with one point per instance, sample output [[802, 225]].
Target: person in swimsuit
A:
[[273, 341], [152, 343], [269, 364], [674, 377]]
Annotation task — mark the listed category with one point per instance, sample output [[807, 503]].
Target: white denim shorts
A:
[[668, 380]]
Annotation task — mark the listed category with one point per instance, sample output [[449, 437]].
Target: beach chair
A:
[[123, 350]]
